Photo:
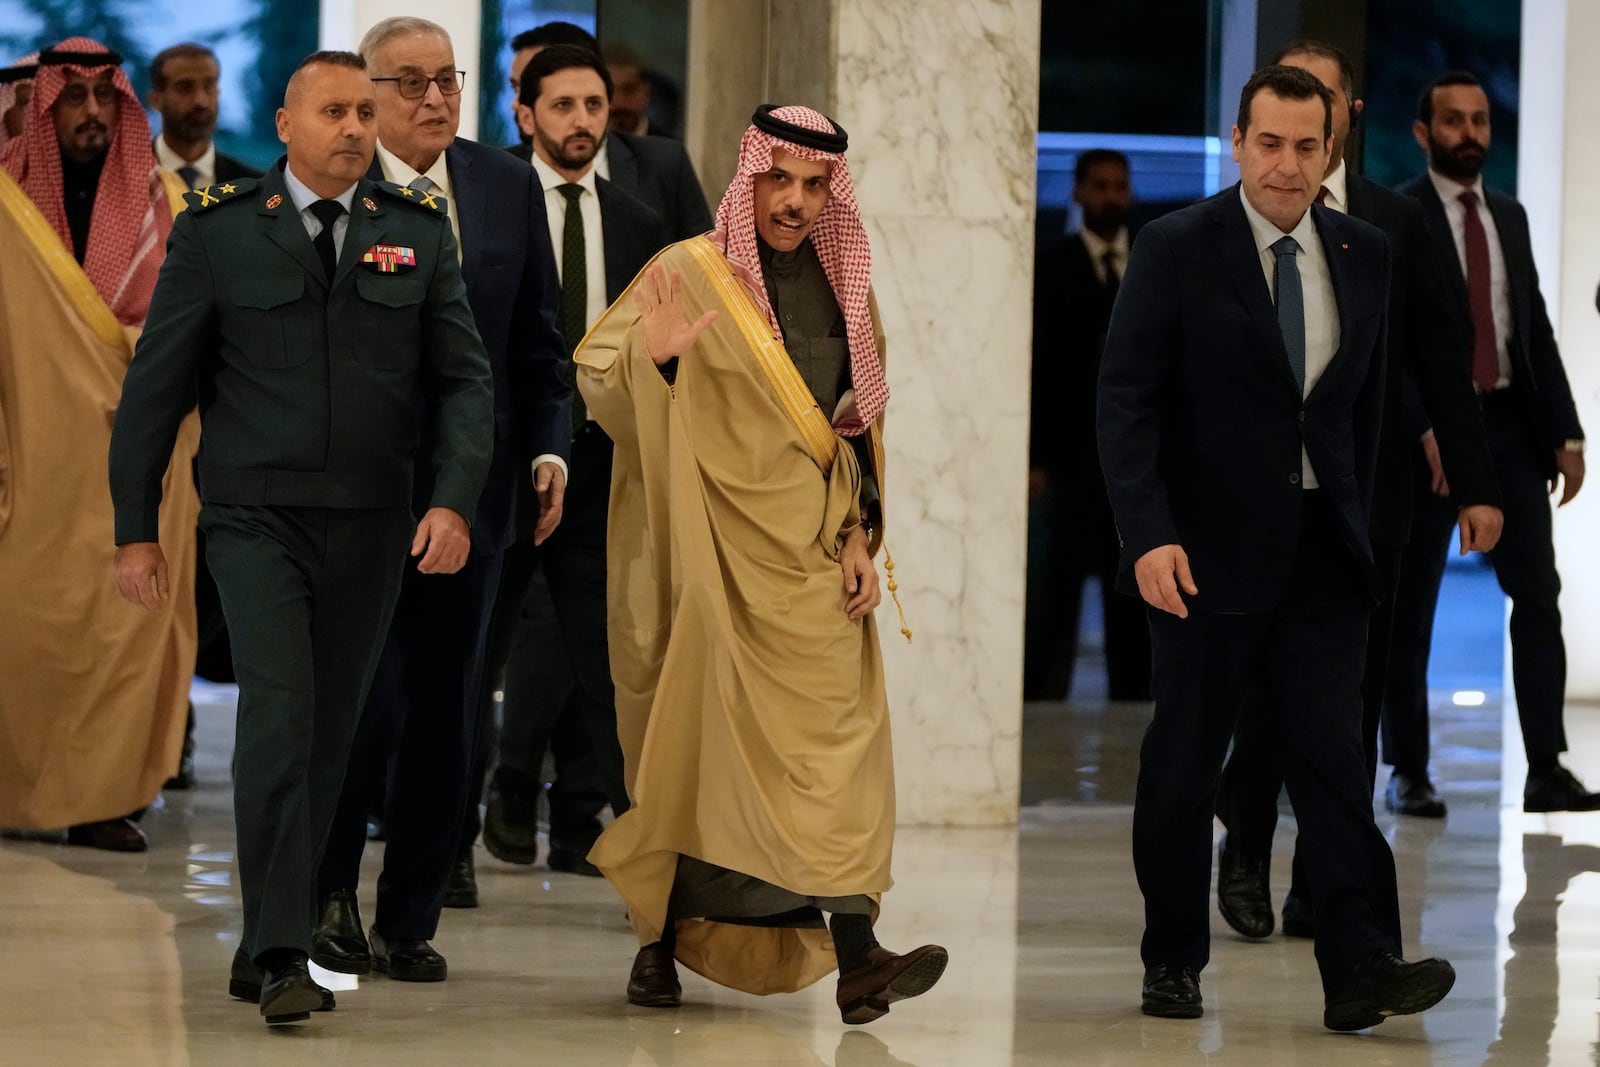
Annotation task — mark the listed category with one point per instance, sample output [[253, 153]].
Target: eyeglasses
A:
[[77, 94], [415, 86]]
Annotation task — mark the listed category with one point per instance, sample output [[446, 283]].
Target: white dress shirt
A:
[[594, 247], [1098, 246], [302, 197], [400, 172], [1316, 287], [1499, 282], [1338, 186], [205, 168]]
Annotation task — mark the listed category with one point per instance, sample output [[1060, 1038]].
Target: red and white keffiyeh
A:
[[8, 93], [839, 238], [127, 234]]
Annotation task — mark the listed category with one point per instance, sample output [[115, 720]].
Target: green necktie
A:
[[574, 287]]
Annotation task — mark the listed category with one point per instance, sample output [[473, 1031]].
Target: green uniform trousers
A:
[[308, 594]]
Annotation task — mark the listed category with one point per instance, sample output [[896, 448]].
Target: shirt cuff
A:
[[550, 457]]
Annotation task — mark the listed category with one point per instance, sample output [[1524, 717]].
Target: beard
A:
[[1461, 163], [196, 125], [1106, 220], [574, 153]]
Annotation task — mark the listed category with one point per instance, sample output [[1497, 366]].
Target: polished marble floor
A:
[[123, 959]]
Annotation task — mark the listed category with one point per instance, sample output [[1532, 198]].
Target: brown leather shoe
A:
[[866, 992], [114, 835], [654, 980]]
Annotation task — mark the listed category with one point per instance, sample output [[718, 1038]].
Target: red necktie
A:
[[1322, 196], [1485, 353]]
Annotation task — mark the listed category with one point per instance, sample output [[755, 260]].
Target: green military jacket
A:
[[309, 393]]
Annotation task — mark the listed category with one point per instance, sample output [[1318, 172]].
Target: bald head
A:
[[328, 123]]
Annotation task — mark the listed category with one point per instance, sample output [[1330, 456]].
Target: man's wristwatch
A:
[[1573, 444]]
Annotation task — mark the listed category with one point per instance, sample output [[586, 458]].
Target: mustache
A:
[[91, 126], [791, 213]]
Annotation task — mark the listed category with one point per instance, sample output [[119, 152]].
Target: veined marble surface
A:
[[942, 113]]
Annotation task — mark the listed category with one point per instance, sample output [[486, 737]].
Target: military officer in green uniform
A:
[[314, 316]]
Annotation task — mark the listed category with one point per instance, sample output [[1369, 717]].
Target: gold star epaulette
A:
[[209, 196], [433, 200]]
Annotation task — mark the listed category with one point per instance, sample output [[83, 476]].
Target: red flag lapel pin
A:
[[390, 259]]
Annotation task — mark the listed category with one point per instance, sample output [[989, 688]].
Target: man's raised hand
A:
[[667, 330]]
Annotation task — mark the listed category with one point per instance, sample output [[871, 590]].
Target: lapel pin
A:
[[273, 201], [367, 200], [1346, 247]]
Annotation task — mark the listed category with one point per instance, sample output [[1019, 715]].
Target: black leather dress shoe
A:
[[462, 892], [406, 959], [572, 862], [113, 835], [1558, 790], [1244, 892], [1171, 991], [886, 977], [337, 943], [288, 995], [1299, 917], [1382, 985], [244, 982], [1413, 794], [511, 817], [653, 982]]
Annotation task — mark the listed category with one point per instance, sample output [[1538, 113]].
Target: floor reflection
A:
[[114, 958]]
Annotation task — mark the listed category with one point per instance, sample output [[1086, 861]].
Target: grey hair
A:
[[399, 26]]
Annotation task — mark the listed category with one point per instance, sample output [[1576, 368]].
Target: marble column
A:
[[1559, 183], [942, 114]]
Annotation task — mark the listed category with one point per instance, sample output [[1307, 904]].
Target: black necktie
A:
[[327, 213], [1109, 261], [574, 286], [189, 174]]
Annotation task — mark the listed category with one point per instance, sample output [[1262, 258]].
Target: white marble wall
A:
[[1559, 183], [942, 114]]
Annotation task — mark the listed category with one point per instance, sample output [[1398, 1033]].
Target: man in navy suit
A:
[[421, 719], [1430, 424], [1505, 341], [1240, 403]]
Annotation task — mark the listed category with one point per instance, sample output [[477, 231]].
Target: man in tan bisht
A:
[[92, 694], [740, 378]]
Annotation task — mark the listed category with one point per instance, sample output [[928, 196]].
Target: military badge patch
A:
[[367, 202], [273, 201], [389, 259]]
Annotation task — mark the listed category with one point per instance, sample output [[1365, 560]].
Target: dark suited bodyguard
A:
[[1071, 532], [309, 315], [1239, 416], [418, 732], [557, 686], [1429, 417], [1510, 350]]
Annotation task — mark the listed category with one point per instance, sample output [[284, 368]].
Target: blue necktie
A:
[[1291, 307]]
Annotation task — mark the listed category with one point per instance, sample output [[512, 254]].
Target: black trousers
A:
[[1525, 564], [308, 593], [1071, 537], [1307, 655], [556, 665], [420, 724], [1247, 794]]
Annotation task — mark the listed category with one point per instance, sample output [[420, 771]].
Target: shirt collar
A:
[[303, 197], [1338, 186], [400, 172], [1450, 190], [549, 179], [1098, 246], [1267, 233], [206, 164]]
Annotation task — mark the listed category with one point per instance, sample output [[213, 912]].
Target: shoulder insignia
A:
[[209, 196], [431, 200]]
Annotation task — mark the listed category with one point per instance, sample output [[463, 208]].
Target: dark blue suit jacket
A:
[[1538, 377], [1200, 422], [511, 284]]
